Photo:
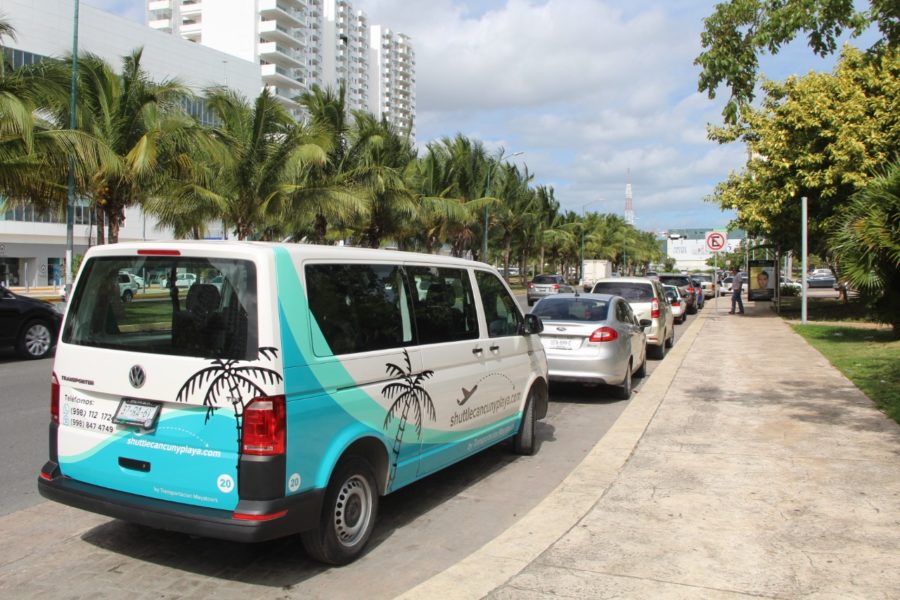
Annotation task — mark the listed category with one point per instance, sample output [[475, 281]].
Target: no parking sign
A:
[[716, 241]]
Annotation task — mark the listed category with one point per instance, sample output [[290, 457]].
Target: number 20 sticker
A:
[[225, 483]]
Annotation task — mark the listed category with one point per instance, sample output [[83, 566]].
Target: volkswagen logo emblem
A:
[[137, 376]]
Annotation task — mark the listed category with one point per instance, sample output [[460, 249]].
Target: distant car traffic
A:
[[593, 338], [820, 281], [28, 324], [685, 286], [182, 280], [545, 285]]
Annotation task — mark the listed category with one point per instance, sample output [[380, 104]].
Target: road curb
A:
[[505, 556]]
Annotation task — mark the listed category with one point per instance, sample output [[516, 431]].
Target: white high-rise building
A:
[[299, 43], [392, 78]]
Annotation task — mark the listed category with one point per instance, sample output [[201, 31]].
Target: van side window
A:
[[444, 304], [501, 310], [358, 308]]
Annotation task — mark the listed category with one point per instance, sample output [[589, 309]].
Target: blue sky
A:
[[588, 90]]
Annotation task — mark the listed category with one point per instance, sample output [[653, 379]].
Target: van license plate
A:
[[137, 413]]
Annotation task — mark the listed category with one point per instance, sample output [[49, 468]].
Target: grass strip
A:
[[868, 357]]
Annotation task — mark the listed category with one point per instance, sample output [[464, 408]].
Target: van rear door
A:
[[152, 391]]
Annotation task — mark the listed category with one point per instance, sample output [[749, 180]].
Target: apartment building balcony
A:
[[284, 96], [283, 11], [273, 31], [278, 76], [272, 52], [191, 9], [159, 5], [161, 25], [190, 28]]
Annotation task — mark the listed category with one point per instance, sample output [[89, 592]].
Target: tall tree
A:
[[267, 156], [739, 31]]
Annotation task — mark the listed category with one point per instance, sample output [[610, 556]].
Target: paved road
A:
[[422, 530]]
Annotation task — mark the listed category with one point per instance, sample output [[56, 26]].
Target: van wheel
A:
[[523, 441], [624, 391], [348, 514], [35, 340]]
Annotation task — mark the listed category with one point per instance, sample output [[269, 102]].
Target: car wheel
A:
[[530, 302], [127, 295], [659, 352], [624, 391], [523, 441], [35, 340], [671, 341], [348, 514]]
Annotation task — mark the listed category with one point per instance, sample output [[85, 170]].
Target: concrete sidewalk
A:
[[746, 467]]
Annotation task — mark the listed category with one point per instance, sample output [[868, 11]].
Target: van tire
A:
[[523, 441], [352, 489]]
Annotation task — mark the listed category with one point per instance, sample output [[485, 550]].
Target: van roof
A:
[[244, 248]]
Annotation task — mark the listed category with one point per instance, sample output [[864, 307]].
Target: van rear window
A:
[[177, 305]]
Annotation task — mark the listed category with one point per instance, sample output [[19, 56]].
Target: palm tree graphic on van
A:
[[407, 392], [231, 377]]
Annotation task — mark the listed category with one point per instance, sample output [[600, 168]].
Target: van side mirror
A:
[[531, 325], [645, 323]]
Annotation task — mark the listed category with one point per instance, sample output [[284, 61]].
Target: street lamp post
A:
[[487, 190], [70, 197]]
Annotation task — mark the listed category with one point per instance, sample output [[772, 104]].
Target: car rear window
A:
[[572, 309], [211, 315], [545, 279], [631, 291], [678, 280]]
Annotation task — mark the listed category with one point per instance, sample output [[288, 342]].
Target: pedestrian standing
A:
[[737, 282]]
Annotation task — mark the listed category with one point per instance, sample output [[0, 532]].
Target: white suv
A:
[[648, 301]]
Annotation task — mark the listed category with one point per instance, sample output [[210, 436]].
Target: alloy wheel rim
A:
[[37, 340]]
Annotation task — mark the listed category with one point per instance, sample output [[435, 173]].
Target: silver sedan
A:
[[593, 338]]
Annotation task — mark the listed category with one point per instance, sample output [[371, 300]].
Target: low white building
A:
[[32, 246]]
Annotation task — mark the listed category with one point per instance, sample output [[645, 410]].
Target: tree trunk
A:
[[101, 225], [321, 228]]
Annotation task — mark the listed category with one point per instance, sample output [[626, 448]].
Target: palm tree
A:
[[866, 243], [440, 211], [379, 156], [265, 160], [407, 393], [328, 194], [142, 122]]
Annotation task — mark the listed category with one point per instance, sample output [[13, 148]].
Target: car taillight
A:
[[555, 286], [264, 426], [654, 308], [676, 302], [54, 398], [530, 285], [604, 334]]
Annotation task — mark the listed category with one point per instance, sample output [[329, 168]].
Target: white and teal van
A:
[[260, 390]]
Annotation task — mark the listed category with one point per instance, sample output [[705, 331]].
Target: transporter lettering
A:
[[491, 408]]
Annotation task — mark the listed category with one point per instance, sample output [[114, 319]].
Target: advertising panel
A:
[[761, 283]]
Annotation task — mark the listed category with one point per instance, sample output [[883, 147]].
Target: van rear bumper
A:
[[301, 512]]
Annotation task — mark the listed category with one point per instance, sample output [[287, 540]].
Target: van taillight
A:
[[604, 334], [54, 398], [264, 426], [654, 308]]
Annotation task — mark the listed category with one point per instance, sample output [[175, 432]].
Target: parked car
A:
[[593, 338], [544, 285], [28, 324], [677, 302], [685, 286], [700, 295], [128, 286], [821, 281], [706, 284], [182, 280], [648, 301]]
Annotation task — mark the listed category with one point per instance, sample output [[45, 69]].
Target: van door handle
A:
[[477, 351], [495, 348]]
